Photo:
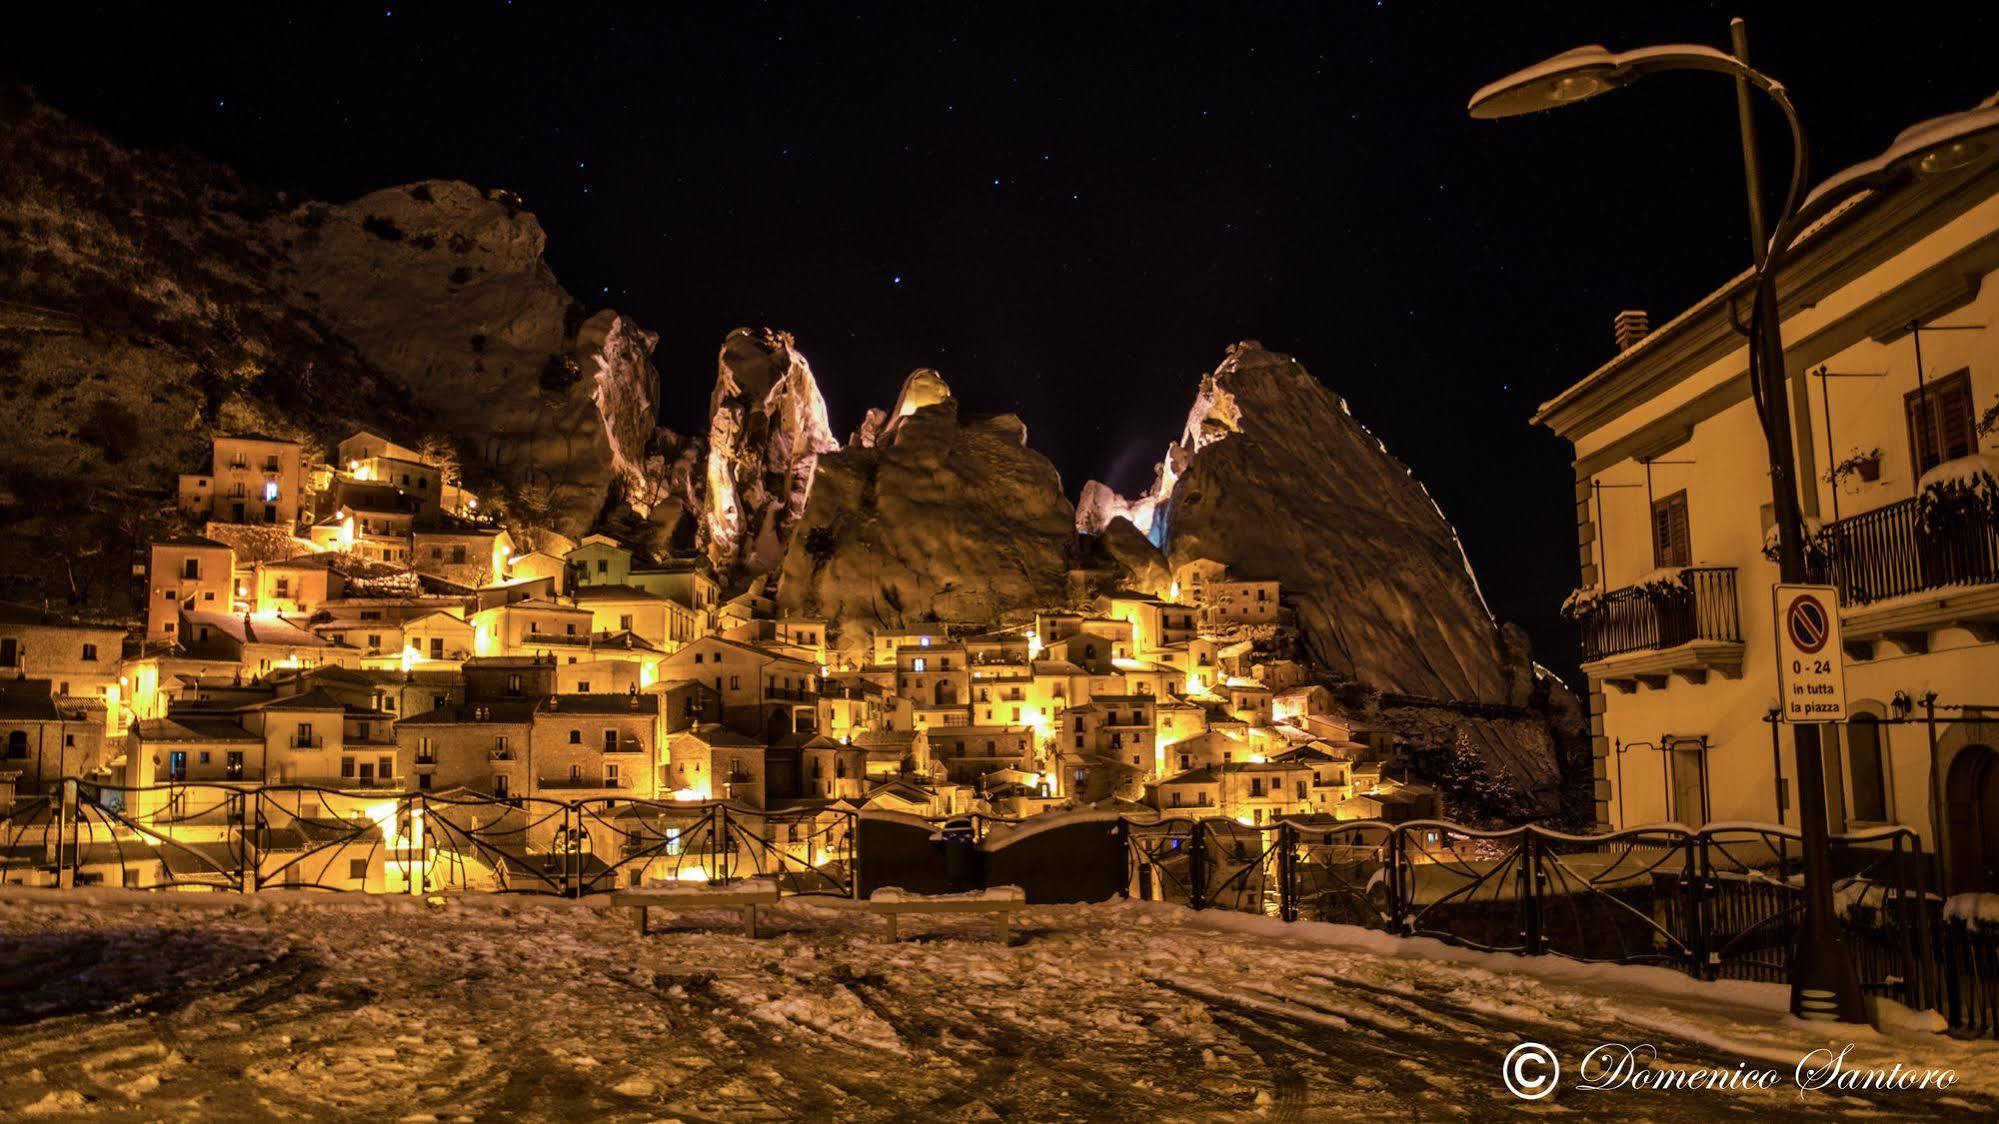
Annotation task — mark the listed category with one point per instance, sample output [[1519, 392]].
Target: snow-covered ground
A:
[[124, 1005]]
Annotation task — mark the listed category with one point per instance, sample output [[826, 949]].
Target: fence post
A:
[[1530, 897], [853, 854], [1287, 872], [1197, 867], [1124, 846], [572, 851], [246, 836], [66, 849], [1693, 905], [1398, 921], [1927, 966]]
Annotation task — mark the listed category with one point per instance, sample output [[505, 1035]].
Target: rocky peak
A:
[[767, 427], [1273, 476], [444, 286], [940, 515]]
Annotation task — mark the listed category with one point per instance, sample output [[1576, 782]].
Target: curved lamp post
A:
[[1823, 983]]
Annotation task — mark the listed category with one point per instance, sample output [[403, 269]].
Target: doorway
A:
[[1971, 820]]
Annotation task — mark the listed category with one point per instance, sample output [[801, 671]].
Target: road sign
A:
[[1811, 665]]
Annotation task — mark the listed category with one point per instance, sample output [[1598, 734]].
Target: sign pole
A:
[[1811, 691]]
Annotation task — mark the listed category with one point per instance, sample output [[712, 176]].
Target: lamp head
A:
[[1571, 76], [1941, 144], [1585, 72]]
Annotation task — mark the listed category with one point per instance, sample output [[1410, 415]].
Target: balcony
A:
[[307, 741], [501, 753], [1898, 582], [626, 745], [609, 784], [1643, 634]]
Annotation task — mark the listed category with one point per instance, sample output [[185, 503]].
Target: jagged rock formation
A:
[[767, 426], [947, 516], [444, 287], [1143, 566], [1274, 477], [149, 302]]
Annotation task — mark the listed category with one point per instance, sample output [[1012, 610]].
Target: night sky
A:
[[1068, 212]]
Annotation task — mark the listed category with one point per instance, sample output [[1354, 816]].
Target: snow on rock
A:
[[948, 516], [767, 427], [445, 288]]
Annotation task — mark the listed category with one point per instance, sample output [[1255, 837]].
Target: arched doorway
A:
[[1971, 820], [947, 693]]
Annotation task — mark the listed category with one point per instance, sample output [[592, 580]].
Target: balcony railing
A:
[[1886, 553], [307, 741], [1637, 618]]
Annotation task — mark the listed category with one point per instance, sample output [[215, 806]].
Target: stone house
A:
[[713, 762], [596, 745], [482, 747], [252, 478], [80, 658], [187, 575]]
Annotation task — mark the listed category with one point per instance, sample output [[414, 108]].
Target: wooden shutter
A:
[[1671, 541], [1941, 426]]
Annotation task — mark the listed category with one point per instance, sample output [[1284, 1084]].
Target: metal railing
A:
[[1887, 552], [1719, 903], [1636, 618]]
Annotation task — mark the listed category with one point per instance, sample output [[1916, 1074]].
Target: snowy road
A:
[[315, 1008]]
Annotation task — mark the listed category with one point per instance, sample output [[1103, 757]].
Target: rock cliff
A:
[[443, 287], [947, 516], [767, 427], [150, 302], [1275, 477]]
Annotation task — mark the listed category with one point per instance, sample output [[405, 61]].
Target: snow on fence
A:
[[1720, 902]]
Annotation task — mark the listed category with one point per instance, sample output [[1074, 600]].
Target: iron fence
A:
[[215, 836], [1720, 903]]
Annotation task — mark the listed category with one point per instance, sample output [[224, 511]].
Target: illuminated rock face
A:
[[443, 287], [767, 428], [942, 515], [1275, 478]]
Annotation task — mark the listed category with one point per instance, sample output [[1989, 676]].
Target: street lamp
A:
[[1823, 983]]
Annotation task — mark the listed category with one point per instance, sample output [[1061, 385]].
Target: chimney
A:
[[1630, 326]]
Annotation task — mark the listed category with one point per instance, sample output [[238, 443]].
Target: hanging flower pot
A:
[[1861, 464]]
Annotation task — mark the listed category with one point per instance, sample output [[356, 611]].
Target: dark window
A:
[[1671, 545], [1863, 750], [357, 870], [575, 737], [90, 652], [1940, 422], [610, 741]]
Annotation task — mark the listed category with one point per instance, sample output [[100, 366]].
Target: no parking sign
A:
[[1811, 666]]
